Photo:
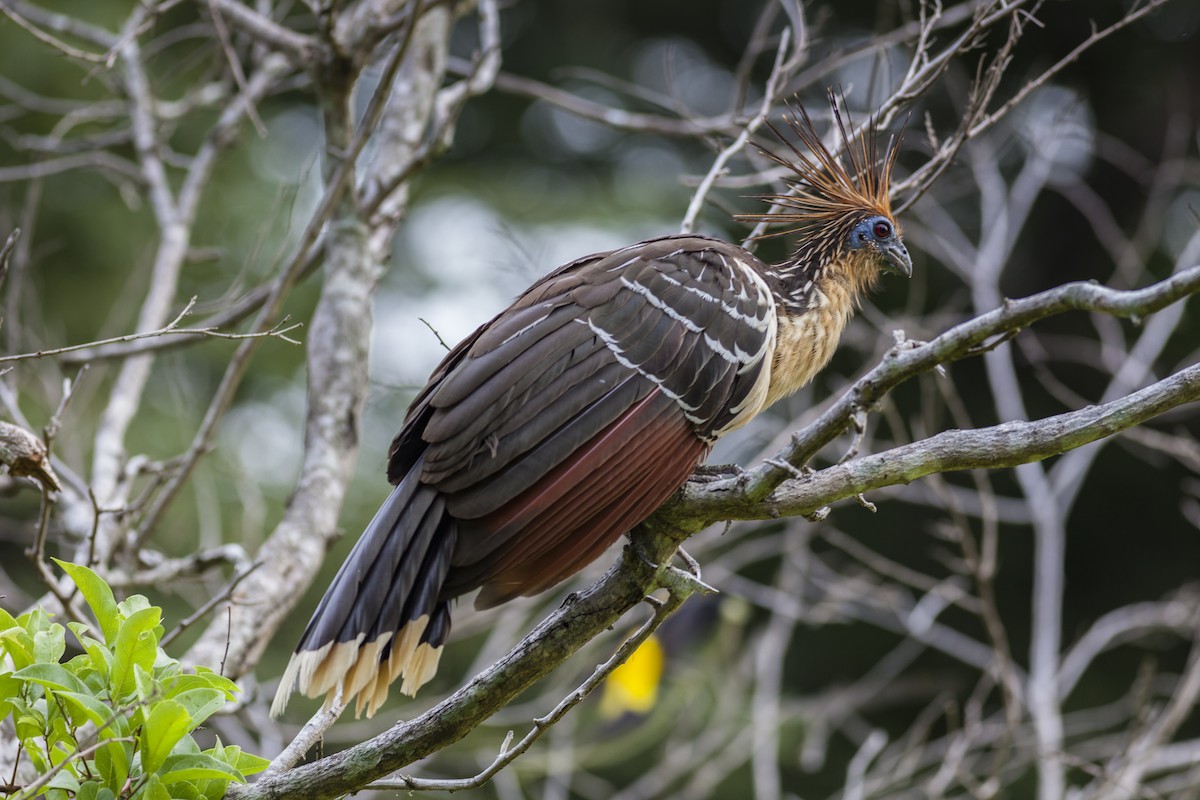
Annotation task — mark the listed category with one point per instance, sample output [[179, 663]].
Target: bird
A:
[[567, 419]]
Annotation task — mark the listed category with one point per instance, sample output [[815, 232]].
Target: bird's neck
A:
[[812, 279], [814, 298]]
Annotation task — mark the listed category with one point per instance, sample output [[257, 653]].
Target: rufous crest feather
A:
[[824, 191]]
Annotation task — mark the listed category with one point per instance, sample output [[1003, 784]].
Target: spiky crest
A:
[[824, 193]]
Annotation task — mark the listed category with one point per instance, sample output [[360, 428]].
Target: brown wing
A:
[[572, 415]]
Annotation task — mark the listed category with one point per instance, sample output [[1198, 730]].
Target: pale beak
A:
[[896, 258]]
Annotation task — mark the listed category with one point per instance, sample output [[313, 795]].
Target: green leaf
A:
[[60, 752], [61, 735], [94, 790], [80, 666], [152, 789], [87, 705], [201, 703], [53, 676], [19, 646], [232, 755], [246, 763], [30, 732], [10, 689], [186, 745], [166, 669], [98, 596], [133, 645], [167, 724], [20, 707], [133, 604], [101, 658], [7, 620], [112, 761], [203, 679], [214, 789], [197, 766], [144, 681], [30, 726], [64, 779], [50, 644], [36, 620], [184, 790], [217, 680]]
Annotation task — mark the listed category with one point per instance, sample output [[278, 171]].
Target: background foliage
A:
[[116, 720]]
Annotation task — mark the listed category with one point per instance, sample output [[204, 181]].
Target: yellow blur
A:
[[632, 688]]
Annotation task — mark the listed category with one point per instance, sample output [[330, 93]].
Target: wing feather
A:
[[534, 542]]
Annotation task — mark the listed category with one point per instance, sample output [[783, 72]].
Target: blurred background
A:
[[859, 651]]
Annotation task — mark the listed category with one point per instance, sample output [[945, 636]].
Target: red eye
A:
[[882, 230]]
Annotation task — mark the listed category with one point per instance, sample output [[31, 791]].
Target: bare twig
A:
[[778, 80], [279, 331], [6, 252], [213, 602], [299, 48]]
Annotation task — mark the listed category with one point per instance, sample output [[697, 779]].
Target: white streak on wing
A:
[[702, 294], [623, 264], [537, 321], [757, 397], [759, 323], [751, 361], [679, 401], [737, 355], [746, 290], [610, 342], [717, 347], [653, 300]]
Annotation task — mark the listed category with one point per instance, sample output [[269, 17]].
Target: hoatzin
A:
[[572, 415]]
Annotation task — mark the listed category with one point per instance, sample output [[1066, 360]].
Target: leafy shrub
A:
[[115, 721]]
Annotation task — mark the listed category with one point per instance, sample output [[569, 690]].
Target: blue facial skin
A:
[[879, 234]]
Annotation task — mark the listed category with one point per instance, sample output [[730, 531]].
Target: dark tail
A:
[[382, 617]]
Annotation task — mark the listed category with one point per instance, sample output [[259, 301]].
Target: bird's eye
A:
[[882, 229]]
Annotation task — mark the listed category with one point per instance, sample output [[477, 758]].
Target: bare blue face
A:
[[878, 233]]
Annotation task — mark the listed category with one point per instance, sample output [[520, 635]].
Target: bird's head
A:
[[841, 218], [879, 239]]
